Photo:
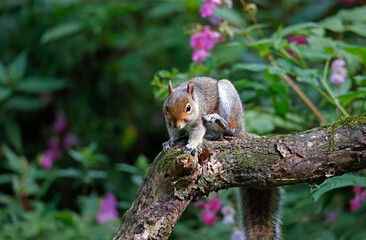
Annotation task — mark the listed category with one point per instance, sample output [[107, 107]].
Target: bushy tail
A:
[[261, 213]]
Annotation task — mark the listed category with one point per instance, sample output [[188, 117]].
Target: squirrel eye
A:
[[166, 108], [189, 108]]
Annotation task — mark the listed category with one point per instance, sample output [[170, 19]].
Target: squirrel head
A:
[[180, 107]]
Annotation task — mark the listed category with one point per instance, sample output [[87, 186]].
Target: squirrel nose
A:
[[174, 123]]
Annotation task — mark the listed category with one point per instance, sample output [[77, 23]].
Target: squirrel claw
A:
[[168, 144], [190, 150]]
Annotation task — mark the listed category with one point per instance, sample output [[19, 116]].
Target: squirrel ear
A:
[[190, 88], [170, 87]]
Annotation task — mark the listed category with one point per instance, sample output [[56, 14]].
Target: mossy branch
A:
[[173, 180]]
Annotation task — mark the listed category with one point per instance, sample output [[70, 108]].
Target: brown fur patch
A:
[[178, 112], [232, 124]]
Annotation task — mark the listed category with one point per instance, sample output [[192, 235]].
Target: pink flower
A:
[[228, 211], [202, 43], [355, 204], [229, 3], [200, 204], [300, 40], [59, 124], [46, 161], [199, 55], [49, 157], [331, 217], [198, 41], [339, 73], [215, 21], [357, 190], [211, 37], [214, 205], [215, 2], [337, 78], [207, 10], [338, 64], [237, 235], [363, 196], [70, 140], [209, 218], [107, 208]]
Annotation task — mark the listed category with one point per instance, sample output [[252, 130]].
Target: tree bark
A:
[[173, 180]]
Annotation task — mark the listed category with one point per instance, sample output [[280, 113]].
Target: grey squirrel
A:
[[211, 109]]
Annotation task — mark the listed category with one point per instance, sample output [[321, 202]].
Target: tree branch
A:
[[173, 180]]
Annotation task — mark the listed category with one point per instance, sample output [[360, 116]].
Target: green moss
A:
[[243, 160], [351, 121], [223, 154], [171, 159]]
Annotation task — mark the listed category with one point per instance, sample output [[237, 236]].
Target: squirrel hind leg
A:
[[215, 123], [230, 107]]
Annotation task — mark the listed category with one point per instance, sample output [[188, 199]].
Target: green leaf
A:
[[307, 75], [310, 80], [78, 156], [3, 74], [241, 83], [6, 178], [359, 28], [5, 93], [164, 9], [61, 30], [320, 43], [358, 51], [19, 64], [276, 70], [297, 27], [259, 122], [26, 104], [41, 85], [13, 161], [279, 96], [13, 133], [262, 43], [334, 24], [46, 184], [255, 67], [126, 168], [349, 97], [65, 216], [227, 53], [315, 55], [354, 15], [230, 15], [70, 172], [361, 80], [337, 182]]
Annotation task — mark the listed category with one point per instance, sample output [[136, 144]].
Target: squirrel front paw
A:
[[190, 150], [168, 144]]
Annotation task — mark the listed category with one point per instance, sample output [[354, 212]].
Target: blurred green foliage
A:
[[100, 63]]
